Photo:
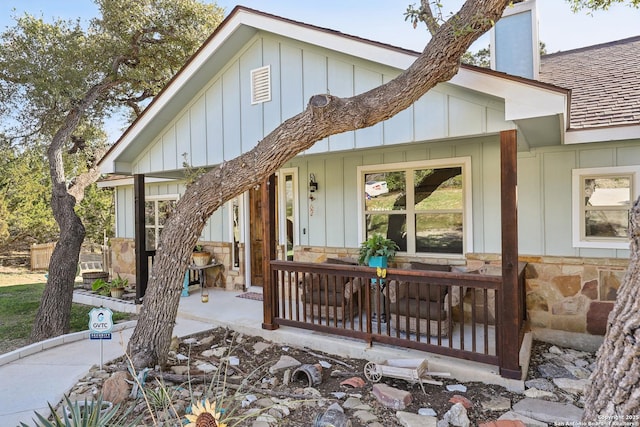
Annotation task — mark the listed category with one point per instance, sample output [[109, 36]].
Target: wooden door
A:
[[256, 235]]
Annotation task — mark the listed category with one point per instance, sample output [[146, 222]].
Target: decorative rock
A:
[[497, 403], [179, 370], [457, 387], [220, 351], [529, 422], [365, 416], [261, 346], [540, 384], [207, 367], [457, 416], [456, 398], [551, 370], [325, 364], [577, 372], [116, 389], [550, 412], [536, 394], [248, 400], [408, 419], [427, 412], [571, 386], [284, 363], [352, 402], [503, 423], [208, 353], [392, 397]]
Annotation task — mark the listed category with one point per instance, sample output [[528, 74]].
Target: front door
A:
[[256, 236]]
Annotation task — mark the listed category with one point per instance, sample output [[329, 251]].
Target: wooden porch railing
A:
[[448, 313]]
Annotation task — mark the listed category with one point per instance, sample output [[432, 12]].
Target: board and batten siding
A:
[[215, 230], [220, 123], [545, 195], [332, 219]]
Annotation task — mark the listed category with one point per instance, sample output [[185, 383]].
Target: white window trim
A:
[[240, 201], [576, 214], [467, 214], [282, 215], [157, 198]]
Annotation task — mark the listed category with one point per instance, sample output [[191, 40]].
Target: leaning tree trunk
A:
[[614, 393], [325, 115], [54, 312]]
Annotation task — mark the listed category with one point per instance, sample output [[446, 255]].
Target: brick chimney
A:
[[515, 46]]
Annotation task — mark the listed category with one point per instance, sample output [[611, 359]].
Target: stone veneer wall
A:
[[124, 263], [565, 296]]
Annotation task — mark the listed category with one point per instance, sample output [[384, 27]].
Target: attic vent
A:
[[261, 85]]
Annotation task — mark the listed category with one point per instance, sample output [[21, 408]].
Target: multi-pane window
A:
[[156, 211], [602, 202], [421, 206]]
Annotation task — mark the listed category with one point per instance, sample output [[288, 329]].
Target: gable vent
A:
[[261, 85]]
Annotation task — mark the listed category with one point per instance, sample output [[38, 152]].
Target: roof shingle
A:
[[604, 80]]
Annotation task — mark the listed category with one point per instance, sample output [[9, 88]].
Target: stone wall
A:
[[572, 294], [228, 277]]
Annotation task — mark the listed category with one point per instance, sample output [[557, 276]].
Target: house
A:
[[429, 177]]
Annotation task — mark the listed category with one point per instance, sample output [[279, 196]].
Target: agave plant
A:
[[88, 414]]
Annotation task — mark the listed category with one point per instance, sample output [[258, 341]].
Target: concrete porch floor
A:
[[225, 309]]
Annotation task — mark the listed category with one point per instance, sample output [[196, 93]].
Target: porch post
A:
[[509, 341], [142, 261], [268, 214]]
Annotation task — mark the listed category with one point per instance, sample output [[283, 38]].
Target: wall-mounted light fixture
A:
[[313, 185]]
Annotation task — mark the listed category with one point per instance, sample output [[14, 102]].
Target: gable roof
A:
[[526, 101], [604, 80]]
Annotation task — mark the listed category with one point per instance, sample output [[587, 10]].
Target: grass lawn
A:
[[18, 307]]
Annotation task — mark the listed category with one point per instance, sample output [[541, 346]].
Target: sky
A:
[[383, 20]]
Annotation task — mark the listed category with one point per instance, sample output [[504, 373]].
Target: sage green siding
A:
[[220, 122]]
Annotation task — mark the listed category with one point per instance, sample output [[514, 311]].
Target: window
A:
[[601, 203], [423, 206], [156, 212]]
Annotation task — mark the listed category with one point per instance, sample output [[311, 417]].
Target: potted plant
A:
[[377, 250], [117, 286], [200, 257], [101, 286]]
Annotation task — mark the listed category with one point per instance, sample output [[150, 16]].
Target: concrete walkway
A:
[[43, 372]]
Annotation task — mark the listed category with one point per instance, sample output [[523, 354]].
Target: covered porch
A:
[[493, 334]]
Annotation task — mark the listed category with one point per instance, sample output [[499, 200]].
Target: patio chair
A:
[[412, 308], [332, 297]]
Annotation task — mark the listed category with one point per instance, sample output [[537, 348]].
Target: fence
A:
[[41, 255]]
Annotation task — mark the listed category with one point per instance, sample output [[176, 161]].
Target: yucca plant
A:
[[89, 414]]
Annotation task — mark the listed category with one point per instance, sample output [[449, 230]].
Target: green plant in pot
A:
[[376, 247], [101, 286], [117, 286]]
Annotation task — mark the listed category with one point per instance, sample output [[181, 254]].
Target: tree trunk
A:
[[52, 318], [325, 115], [54, 312], [614, 393]]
